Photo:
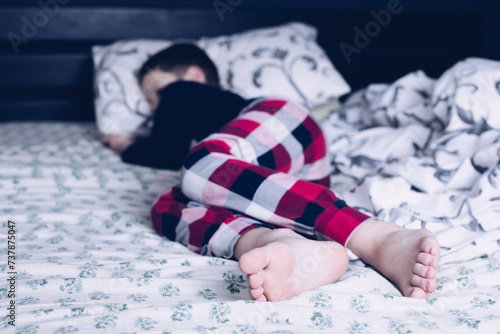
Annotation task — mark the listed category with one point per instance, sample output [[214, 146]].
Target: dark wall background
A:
[[51, 77], [489, 8]]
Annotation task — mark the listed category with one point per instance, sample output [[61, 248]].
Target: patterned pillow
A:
[[120, 106], [283, 60]]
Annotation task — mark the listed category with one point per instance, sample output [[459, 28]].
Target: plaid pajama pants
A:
[[266, 168]]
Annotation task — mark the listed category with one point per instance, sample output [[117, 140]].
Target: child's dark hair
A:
[[177, 58]]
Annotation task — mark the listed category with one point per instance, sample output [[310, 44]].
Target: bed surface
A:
[[88, 261]]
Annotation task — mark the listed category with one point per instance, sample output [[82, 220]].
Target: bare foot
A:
[[409, 258], [281, 263]]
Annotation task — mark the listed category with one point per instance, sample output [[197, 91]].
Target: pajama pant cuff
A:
[[339, 224], [222, 243]]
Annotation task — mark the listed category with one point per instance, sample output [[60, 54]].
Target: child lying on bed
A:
[[256, 187]]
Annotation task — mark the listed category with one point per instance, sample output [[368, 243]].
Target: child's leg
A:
[[286, 262], [248, 167], [257, 165], [203, 229]]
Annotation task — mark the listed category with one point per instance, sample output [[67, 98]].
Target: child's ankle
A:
[[259, 237]]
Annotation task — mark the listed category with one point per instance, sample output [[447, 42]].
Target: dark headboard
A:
[[46, 66]]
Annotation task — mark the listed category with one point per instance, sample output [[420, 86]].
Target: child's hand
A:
[[116, 142]]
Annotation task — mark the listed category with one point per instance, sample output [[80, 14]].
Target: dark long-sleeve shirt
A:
[[187, 111]]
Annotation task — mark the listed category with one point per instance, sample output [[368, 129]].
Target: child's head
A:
[[178, 62]]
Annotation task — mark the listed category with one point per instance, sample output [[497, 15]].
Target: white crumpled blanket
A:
[[424, 152]]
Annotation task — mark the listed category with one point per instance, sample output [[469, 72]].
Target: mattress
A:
[[87, 260]]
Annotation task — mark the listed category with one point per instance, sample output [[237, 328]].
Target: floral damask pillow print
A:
[[283, 60], [119, 104]]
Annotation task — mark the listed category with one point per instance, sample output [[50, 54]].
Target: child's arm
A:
[[116, 142], [187, 111]]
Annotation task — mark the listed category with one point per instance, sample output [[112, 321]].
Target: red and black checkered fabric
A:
[[268, 167]]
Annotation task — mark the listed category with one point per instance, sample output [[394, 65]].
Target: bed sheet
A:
[[88, 261]]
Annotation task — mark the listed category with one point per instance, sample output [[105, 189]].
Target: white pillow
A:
[[120, 106], [283, 60]]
